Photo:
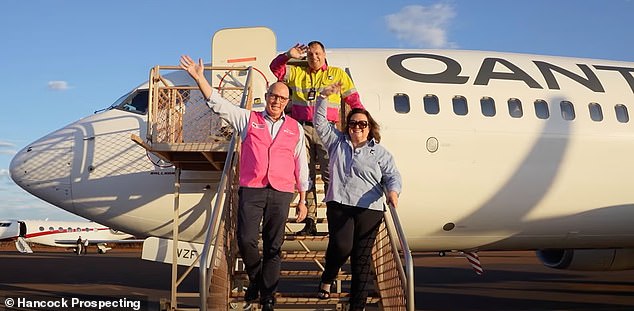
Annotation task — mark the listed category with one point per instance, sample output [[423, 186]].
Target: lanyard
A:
[[312, 93]]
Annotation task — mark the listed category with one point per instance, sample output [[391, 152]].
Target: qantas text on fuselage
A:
[[486, 73]]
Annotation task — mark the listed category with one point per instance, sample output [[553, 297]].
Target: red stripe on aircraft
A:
[[241, 60], [43, 233]]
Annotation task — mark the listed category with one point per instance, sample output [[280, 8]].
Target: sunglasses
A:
[[358, 124]]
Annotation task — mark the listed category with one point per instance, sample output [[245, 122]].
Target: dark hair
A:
[[374, 127], [311, 43]]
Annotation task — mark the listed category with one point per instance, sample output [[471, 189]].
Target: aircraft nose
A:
[[43, 168], [8, 230]]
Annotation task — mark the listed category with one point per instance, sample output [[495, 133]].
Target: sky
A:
[[63, 60]]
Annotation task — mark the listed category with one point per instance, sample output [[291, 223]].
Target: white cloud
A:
[[5, 180], [7, 148], [421, 26], [58, 85]]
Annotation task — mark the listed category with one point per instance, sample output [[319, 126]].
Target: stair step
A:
[[319, 220], [319, 205], [311, 274], [303, 255], [321, 236], [303, 298], [300, 274]]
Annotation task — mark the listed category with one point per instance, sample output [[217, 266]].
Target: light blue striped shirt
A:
[[358, 176]]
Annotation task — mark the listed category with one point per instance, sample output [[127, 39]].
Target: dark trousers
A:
[[317, 154], [352, 233], [270, 207]]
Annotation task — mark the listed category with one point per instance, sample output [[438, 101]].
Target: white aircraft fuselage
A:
[[58, 233], [479, 171]]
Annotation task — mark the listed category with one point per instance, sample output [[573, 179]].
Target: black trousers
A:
[[270, 207], [352, 233]]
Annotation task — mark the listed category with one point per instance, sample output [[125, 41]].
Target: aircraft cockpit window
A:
[[136, 102], [621, 113], [431, 105], [401, 103], [5, 224], [541, 109], [567, 110], [596, 114], [487, 104], [515, 108], [460, 105]]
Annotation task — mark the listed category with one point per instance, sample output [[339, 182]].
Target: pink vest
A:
[[265, 161]]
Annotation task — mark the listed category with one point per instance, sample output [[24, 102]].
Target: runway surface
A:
[[512, 281]]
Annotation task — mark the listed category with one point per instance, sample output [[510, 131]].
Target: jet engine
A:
[[588, 259]]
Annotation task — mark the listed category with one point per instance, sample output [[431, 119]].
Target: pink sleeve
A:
[[353, 100], [278, 66]]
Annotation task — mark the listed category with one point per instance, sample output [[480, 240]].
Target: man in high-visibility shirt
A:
[[307, 82]]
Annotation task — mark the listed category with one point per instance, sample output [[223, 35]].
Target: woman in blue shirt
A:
[[361, 173]]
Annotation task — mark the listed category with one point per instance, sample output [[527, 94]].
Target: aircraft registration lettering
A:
[[186, 253]]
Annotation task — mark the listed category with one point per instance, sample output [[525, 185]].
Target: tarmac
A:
[[511, 281]]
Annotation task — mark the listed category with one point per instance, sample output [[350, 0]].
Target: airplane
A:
[[497, 151], [61, 234]]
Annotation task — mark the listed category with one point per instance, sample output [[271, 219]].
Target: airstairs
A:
[[23, 246], [183, 132]]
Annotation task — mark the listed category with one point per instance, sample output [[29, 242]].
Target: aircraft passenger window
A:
[[41, 228], [621, 113], [430, 103], [401, 103], [541, 109], [567, 110], [515, 108], [460, 105], [487, 105], [51, 228], [596, 114]]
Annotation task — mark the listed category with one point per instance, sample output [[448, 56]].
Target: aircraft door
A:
[[22, 228], [237, 47]]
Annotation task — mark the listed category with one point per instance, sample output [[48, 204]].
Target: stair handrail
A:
[[395, 231], [213, 223]]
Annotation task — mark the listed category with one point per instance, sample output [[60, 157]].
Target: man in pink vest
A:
[[273, 164]]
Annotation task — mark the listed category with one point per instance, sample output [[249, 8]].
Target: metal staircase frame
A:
[[224, 188], [214, 223]]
